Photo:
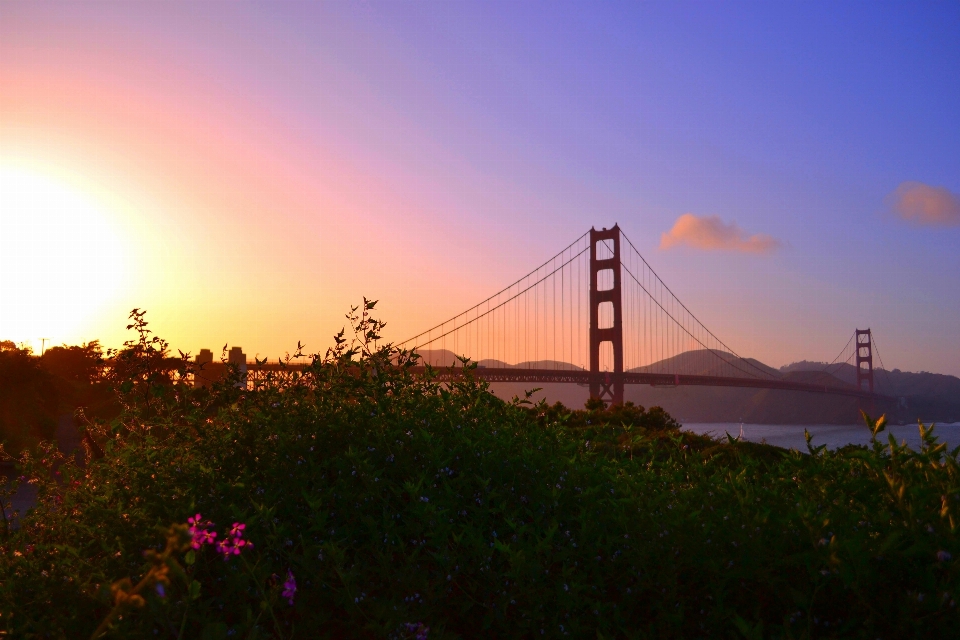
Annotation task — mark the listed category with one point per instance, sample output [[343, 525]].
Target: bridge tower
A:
[[864, 360], [607, 386]]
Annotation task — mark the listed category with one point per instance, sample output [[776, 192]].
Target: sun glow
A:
[[62, 259]]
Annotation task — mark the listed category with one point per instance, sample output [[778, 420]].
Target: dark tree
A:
[[80, 379], [29, 400]]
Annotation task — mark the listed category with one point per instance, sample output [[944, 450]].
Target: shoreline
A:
[[790, 436]]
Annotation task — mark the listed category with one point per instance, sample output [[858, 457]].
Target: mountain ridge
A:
[[926, 396]]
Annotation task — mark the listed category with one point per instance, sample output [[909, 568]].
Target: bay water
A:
[[790, 436]]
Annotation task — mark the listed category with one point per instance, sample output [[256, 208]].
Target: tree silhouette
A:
[[29, 400], [79, 375]]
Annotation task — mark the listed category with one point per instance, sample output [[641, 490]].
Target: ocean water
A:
[[790, 436]]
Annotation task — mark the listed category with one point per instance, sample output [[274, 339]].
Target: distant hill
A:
[[929, 397], [894, 383], [710, 362], [446, 358], [710, 404]]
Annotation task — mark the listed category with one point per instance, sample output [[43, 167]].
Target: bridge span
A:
[[584, 378], [600, 302], [212, 371]]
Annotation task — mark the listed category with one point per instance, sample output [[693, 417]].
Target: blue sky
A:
[[499, 132]]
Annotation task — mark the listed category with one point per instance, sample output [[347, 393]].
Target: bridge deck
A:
[[213, 370], [578, 376], [655, 379]]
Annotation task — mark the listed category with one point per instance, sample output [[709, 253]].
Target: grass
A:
[[407, 508]]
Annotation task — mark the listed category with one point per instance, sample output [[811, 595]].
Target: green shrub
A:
[[398, 504]]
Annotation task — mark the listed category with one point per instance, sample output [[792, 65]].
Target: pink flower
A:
[[226, 548], [200, 531], [202, 538], [234, 544], [289, 587]]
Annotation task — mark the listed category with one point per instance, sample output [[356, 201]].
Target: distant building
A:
[[204, 375], [209, 371], [237, 357]]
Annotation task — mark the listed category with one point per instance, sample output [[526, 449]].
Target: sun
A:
[[61, 258]]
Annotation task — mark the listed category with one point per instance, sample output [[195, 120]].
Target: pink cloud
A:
[[712, 233], [922, 204]]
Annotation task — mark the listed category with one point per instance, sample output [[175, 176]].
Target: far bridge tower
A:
[[864, 360]]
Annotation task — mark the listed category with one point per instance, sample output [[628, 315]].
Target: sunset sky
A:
[[247, 171]]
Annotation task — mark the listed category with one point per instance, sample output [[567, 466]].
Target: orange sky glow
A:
[[247, 172]]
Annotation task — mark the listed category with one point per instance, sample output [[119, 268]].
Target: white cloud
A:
[[923, 204], [712, 233]]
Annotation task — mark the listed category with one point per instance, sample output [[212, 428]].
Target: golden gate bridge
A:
[[597, 314]]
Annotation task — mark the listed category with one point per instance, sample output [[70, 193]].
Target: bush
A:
[[380, 503], [29, 400], [36, 390], [80, 378]]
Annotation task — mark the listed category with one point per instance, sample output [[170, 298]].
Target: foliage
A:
[[29, 400], [81, 379], [78, 364], [386, 504], [36, 390]]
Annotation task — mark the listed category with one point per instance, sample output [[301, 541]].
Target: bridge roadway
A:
[[581, 377]]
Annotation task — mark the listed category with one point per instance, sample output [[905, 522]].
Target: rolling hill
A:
[[926, 396]]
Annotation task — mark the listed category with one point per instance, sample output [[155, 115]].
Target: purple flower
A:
[[289, 587], [237, 530], [419, 630], [160, 590], [943, 556]]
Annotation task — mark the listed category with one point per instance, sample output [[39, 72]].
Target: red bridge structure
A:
[[596, 314]]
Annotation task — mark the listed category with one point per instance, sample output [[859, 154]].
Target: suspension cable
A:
[[879, 357], [485, 313], [715, 351], [505, 289], [663, 284], [824, 371]]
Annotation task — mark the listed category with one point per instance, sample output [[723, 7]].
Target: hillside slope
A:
[[933, 397]]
